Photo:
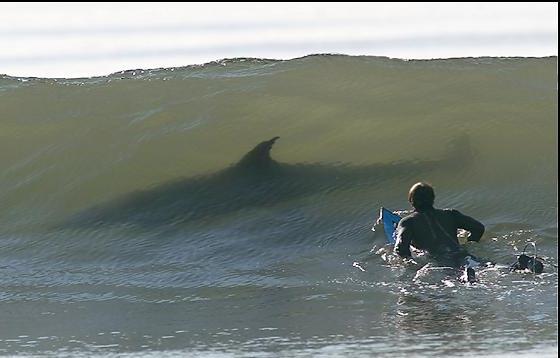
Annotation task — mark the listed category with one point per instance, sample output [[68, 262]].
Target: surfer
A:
[[435, 231]]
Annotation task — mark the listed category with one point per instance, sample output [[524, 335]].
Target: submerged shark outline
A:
[[257, 180]]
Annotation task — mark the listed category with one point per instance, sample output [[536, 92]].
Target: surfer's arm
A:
[[404, 238], [475, 227]]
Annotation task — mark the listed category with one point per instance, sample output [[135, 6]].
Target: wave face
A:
[[126, 195]]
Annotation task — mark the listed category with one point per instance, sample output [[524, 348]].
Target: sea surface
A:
[[137, 219]]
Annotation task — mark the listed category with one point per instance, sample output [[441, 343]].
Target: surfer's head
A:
[[421, 196]]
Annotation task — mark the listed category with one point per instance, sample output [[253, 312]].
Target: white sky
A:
[[85, 39]]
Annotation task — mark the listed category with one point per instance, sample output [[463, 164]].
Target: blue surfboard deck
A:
[[390, 221]]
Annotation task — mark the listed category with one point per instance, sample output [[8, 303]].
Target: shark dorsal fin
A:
[[259, 156]]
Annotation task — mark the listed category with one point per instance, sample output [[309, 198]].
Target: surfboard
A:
[[390, 221]]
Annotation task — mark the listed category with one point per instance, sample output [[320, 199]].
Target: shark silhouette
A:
[[256, 180]]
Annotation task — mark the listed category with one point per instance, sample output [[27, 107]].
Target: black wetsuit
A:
[[435, 231]]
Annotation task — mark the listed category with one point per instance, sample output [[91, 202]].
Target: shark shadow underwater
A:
[[255, 181]]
